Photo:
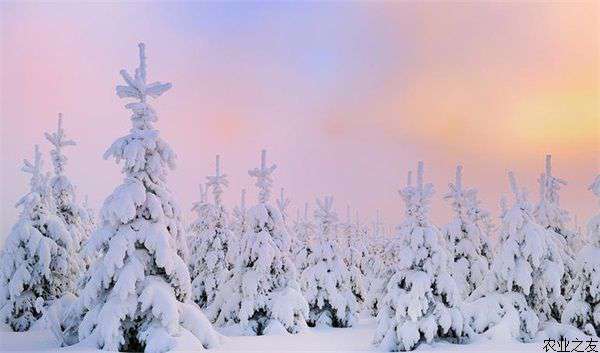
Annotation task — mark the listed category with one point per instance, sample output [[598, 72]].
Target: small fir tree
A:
[[209, 267], [326, 280], [549, 213], [304, 230], [554, 219], [37, 266], [376, 267], [583, 311], [526, 273], [262, 296], [421, 300], [469, 265], [238, 227], [73, 215], [355, 254]]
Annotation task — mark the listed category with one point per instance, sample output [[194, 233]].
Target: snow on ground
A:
[[355, 339]]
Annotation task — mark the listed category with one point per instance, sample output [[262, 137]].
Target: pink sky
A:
[[347, 97]]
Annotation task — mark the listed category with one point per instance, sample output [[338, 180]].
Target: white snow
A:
[[343, 340]]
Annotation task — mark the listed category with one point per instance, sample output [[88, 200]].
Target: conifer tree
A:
[[304, 231], [548, 212], [209, 267], [554, 219], [326, 280], [263, 295], [352, 242], [282, 205], [238, 227], [469, 265], [239, 214], [204, 211], [583, 311], [376, 267], [526, 271], [482, 219], [421, 300], [36, 266], [344, 229], [64, 195], [137, 296]]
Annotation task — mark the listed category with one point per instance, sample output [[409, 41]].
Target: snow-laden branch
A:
[[217, 182], [58, 139], [264, 181], [137, 87]]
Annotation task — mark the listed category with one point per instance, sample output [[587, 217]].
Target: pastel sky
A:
[[346, 97]]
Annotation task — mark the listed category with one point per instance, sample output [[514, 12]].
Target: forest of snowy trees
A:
[[136, 277]]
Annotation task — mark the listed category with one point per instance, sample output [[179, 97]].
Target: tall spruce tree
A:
[[137, 296]]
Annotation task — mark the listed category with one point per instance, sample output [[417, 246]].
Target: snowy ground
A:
[[356, 339]]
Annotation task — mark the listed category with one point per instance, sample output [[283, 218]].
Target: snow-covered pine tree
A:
[[296, 243], [469, 265], [376, 267], [361, 232], [304, 231], [238, 227], [282, 205], [263, 295], [583, 311], [36, 266], [203, 210], [326, 280], [482, 219], [554, 219], [549, 213], [137, 295], [526, 273], [64, 195], [377, 243], [239, 215], [344, 230], [209, 267], [421, 301], [352, 240]]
